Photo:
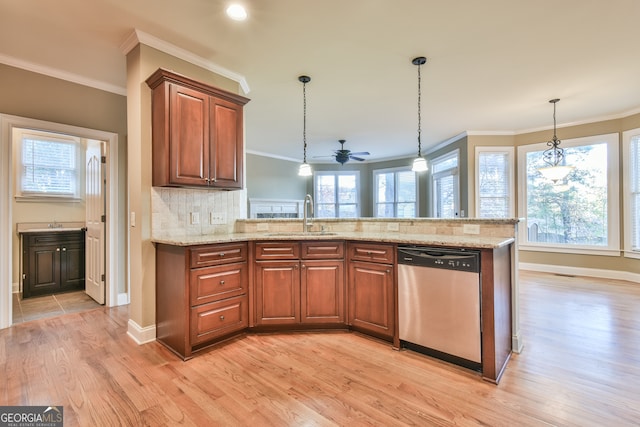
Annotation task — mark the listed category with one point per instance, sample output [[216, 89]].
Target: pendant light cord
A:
[[419, 111], [304, 121]]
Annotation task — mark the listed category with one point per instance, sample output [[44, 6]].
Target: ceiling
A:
[[493, 65]]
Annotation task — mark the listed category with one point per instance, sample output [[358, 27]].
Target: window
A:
[[446, 186], [47, 164], [579, 214], [494, 178], [632, 192], [337, 194], [395, 193]]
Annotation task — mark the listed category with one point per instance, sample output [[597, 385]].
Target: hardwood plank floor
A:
[[580, 367]]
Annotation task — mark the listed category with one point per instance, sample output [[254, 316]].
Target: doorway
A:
[[114, 295]]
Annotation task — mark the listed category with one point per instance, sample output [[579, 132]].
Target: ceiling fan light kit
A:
[[419, 163], [305, 168]]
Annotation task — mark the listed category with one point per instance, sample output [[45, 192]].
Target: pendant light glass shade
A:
[[305, 168], [419, 163], [554, 155]]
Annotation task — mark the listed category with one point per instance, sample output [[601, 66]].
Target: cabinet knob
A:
[[222, 282], [57, 249], [369, 253], [304, 266], [206, 179], [221, 254], [221, 317], [64, 249], [388, 271]]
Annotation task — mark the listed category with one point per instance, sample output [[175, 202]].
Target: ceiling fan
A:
[[342, 156]]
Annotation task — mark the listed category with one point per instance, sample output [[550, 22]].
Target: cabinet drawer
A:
[[323, 250], [209, 321], [277, 250], [372, 252], [55, 237], [214, 283], [204, 256]]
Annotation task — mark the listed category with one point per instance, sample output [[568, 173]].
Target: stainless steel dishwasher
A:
[[439, 303]]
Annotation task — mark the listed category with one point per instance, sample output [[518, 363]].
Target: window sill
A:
[[632, 254], [571, 250], [48, 199]]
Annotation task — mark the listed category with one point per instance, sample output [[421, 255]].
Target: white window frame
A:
[[335, 174], [629, 217], [455, 172], [21, 195], [510, 153], [613, 198], [377, 172]]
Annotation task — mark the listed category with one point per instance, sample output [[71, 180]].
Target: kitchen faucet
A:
[[306, 225]]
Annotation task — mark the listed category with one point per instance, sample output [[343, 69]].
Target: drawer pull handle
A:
[[221, 254], [222, 282], [369, 253], [221, 317]]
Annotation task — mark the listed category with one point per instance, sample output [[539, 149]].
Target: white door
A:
[[95, 206]]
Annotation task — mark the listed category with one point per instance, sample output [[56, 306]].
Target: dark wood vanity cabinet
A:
[[53, 262], [197, 133]]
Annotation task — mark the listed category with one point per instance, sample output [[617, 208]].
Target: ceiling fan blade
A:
[[356, 158], [361, 153]]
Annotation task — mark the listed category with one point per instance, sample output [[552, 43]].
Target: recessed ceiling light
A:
[[237, 12]]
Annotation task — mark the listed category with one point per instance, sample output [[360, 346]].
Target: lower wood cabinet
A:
[[298, 283], [371, 289], [201, 295], [53, 262]]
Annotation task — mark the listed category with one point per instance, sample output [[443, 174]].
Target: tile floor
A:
[[50, 305]]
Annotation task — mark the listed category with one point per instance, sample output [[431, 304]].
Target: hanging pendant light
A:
[[554, 155], [305, 168], [419, 163]]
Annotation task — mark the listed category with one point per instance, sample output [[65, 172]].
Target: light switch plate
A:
[[393, 226], [471, 228], [216, 218]]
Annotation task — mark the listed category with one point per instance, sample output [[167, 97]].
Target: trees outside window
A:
[[337, 194], [395, 193], [581, 210]]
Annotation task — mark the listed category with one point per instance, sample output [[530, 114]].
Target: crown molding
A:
[[583, 122], [273, 156], [138, 36], [62, 75]]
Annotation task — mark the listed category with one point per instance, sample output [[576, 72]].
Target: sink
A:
[[301, 233]]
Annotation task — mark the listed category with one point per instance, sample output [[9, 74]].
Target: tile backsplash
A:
[[189, 212]]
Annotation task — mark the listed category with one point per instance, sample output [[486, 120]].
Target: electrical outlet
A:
[[393, 226], [195, 218], [262, 226], [216, 218], [471, 228]]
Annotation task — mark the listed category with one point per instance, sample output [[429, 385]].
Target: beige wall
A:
[[36, 96], [143, 61]]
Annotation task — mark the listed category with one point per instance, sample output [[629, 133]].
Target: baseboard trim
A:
[[123, 299], [581, 271], [15, 288], [139, 334]]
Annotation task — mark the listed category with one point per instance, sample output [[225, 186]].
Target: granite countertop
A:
[[458, 241]]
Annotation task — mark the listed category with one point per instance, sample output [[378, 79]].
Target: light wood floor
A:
[[580, 367]]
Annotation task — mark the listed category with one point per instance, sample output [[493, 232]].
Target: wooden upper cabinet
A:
[[197, 136]]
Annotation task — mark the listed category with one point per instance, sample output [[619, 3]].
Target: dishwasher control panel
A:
[[445, 258]]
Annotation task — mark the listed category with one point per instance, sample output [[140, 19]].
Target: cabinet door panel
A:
[[44, 271], [72, 266], [189, 130], [277, 292], [227, 140], [371, 301], [322, 292]]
